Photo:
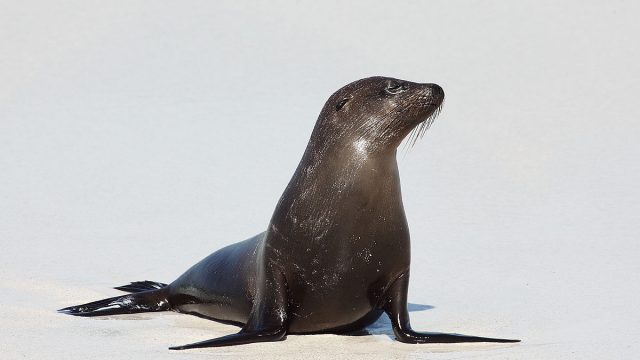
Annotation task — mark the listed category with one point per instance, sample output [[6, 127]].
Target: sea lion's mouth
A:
[[424, 125]]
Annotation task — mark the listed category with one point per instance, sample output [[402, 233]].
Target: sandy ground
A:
[[136, 138]]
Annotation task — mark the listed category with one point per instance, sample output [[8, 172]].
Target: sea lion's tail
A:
[[146, 296]]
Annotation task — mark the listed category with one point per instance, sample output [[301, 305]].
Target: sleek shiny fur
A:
[[336, 253]]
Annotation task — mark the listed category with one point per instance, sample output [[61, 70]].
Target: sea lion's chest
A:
[[339, 256]]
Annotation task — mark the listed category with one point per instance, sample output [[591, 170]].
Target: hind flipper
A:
[[139, 286], [396, 308], [146, 301]]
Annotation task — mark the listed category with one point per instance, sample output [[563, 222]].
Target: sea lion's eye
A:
[[396, 88], [342, 102]]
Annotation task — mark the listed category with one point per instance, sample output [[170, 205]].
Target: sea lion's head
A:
[[377, 113]]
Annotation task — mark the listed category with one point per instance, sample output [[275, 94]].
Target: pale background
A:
[[137, 137]]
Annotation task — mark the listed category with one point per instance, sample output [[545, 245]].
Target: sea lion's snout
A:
[[433, 94], [423, 107], [437, 93]]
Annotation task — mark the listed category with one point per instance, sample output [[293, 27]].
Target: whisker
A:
[[421, 129], [407, 141]]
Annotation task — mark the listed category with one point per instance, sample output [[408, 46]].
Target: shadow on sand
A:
[[382, 326]]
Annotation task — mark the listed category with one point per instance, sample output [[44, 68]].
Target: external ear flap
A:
[[342, 102]]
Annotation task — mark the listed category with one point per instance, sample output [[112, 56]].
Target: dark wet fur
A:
[[374, 130]]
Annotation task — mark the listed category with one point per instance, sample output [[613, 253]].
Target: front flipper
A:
[[237, 339], [268, 318], [396, 308]]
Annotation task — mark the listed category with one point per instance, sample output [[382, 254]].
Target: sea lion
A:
[[336, 253]]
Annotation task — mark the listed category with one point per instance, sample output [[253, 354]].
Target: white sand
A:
[[137, 138]]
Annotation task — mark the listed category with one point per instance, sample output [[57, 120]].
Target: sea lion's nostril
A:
[[437, 91]]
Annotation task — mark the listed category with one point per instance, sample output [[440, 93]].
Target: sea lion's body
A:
[[336, 252], [338, 234], [319, 307]]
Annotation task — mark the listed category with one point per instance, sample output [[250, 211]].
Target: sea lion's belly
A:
[[336, 314], [341, 297]]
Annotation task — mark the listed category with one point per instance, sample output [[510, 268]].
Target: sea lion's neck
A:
[[329, 180], [352, 165]]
